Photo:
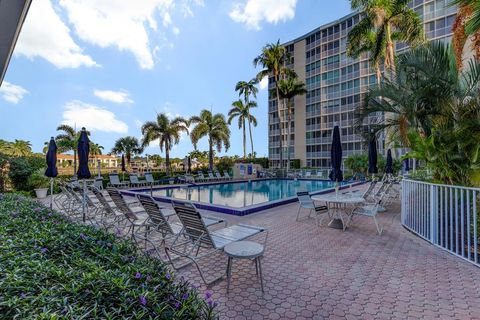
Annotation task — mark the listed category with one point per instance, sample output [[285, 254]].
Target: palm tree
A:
[[213, 126], [246, 89], [273, 59], [167, 132], [289, 88], [384, 22], [18, 148], [427, 89], [128, 146], [242, 111], [67, 141], [467, 24], [95, 149]]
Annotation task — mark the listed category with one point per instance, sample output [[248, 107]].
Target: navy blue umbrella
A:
[[336, 156], [389, 166], [406, 164], [123, 163], [372, 155], [189, 164], [83, 150], [51, 171], [51, 158]]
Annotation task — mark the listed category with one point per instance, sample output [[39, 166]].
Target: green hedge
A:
[[54, 269]]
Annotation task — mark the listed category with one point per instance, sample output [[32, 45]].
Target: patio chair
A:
[[98, 183], [159, 219], [308, 174], [197, 236], [369, 210], [219, 176], [135, 182], [131, 218], [226, 175], [306, 202], [150, 180], [211, 177], [109, 216], [115, 181]]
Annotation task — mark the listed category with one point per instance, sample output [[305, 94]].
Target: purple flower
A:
[[185, 296], [83, 237], [37, 209], [143, 301], [212, 303], [43, 250], [168, 276], [177, 305], [208, 294], [118, 232], [138, 275], [23, 295], [149, 278]]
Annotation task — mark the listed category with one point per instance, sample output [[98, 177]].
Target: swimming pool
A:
[[241, 197]]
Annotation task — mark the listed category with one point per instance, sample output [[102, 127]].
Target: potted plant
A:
[[40, 183]]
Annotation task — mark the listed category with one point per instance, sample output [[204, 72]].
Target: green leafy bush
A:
[[21, 168], [38, 180], [54, 269]]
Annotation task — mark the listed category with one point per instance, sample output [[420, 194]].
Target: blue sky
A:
[[110, 65]]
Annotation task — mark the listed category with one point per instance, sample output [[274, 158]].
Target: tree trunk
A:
[[289, 119], [210, 154], [167, 159], [279, 121], [250, 130], [244, 141]]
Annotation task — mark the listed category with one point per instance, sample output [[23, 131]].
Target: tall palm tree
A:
[[289, 88], [242, 111], [167, 132], [384, 23], [67, 141], [467, 24], [273, 60], [247, 88], [213, 126], [127, 145]]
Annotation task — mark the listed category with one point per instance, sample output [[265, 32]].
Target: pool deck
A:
[[313, 272]]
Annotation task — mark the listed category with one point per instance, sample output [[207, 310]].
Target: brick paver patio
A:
[[315, 272]]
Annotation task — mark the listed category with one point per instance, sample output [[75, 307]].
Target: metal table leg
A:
[[229, 272], [260, 271]]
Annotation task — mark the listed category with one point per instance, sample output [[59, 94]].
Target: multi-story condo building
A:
[[336, 84]]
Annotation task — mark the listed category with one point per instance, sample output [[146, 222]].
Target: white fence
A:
[[447, 216]]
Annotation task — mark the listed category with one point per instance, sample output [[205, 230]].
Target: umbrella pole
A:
[[51, 193], [84, 198]]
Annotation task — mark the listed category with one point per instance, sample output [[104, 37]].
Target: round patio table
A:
[[244, 250], [339, 203]]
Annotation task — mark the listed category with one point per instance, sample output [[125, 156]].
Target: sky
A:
[[111, 65]]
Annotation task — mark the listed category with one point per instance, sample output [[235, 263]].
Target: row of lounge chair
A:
[[135, 181], [181, 236]]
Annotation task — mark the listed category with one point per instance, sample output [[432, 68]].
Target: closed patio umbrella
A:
[[336, 173], [389, 166], [51, 171], [83, 150], [406, 164], [372, 155], [189, 164]]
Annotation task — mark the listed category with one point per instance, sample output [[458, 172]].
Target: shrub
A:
[[55, 269], [21, 168], [38, 180]]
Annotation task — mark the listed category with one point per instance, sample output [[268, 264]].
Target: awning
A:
[[12, 16]]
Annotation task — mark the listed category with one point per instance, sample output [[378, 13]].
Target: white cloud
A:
[[264, 83], [253, 12], [46, 36], [176, 31], [92, 117], [121, 96], [124, 24], [12, 93]]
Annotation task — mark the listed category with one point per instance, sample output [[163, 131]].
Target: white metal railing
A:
[[445, 215]]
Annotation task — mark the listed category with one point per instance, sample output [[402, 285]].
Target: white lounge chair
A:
[[150, 180], [135, 182], [197, 236], [115, 181]]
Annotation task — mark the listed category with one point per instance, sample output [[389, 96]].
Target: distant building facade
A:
[[336, 84], [66, 160]]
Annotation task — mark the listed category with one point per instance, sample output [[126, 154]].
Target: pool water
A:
[[243, 194]]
